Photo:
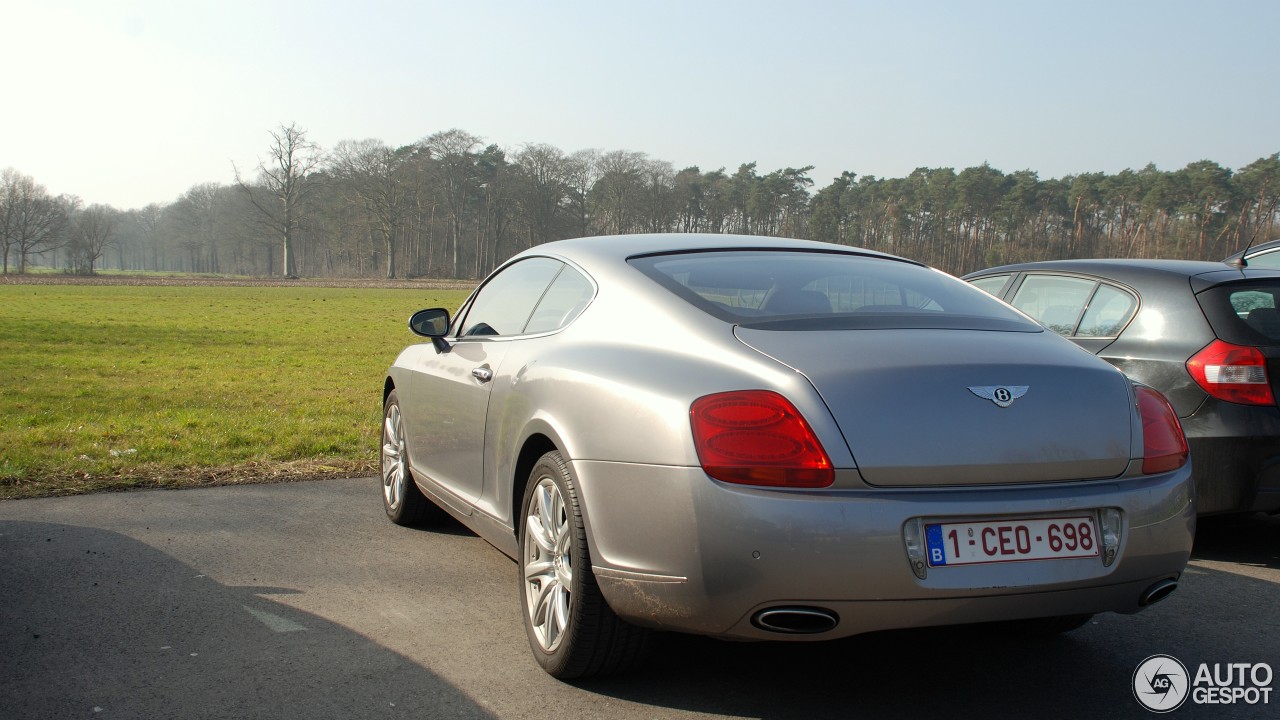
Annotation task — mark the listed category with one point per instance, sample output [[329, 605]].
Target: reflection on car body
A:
[[761, 439]]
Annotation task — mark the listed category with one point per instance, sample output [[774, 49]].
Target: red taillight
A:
[[757, 437], [1164, 447], [1235, 373]]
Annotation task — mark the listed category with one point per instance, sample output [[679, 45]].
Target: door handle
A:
[[482, 373]]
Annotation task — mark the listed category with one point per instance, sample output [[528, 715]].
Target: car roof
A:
[[610, 249], [1138, 271]]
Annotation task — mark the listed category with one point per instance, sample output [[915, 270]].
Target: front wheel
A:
[[572, 630]]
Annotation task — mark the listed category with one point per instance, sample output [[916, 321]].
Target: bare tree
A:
[[93, 231], [33, 222], [192, 220], [617, 193], [374, 177], [149, 220], [453, 151], [582, 170], [658, 180], [285, 177], [8, 180], [543, 186]]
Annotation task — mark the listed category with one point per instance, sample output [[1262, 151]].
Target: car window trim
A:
[[458, 323], [1137, 305], [470, 303], [1083, 308], [595, 289], [1010, 278], [1098, 282]]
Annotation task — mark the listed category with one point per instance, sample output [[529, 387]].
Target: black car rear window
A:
[[799, 290], [1244, 313]]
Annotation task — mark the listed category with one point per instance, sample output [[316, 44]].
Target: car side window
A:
[[991, 284], [504, 304], [1109, 311], [568, 296], [1056, 301]]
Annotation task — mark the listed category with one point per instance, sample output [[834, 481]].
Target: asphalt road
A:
[[303, 601]]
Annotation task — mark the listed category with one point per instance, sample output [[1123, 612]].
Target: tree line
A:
[[451, 206]]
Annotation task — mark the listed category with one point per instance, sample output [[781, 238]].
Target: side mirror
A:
[[431, 323]]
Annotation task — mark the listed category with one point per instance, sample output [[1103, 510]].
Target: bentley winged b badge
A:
[[1001, 395]]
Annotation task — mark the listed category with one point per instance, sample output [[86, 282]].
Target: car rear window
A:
[[797, 290], [1244, 313]]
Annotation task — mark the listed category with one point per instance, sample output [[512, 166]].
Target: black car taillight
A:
[[1164, 446], [1235, 373], [757, 437]]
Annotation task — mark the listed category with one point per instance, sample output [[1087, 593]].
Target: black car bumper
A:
[[1235, 455]]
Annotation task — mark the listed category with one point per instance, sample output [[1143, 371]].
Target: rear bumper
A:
[[678, 551], [1236, 453]]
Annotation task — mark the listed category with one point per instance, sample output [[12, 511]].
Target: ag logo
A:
[[1161, 683]]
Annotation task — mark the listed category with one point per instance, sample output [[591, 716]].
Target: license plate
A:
[[997, 541]]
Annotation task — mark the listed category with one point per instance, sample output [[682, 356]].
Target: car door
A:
[[446, 404]]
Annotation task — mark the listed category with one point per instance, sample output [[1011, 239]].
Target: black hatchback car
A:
[[1205, 334]]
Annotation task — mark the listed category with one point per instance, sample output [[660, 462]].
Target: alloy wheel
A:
[[395, 471], [548, 564]]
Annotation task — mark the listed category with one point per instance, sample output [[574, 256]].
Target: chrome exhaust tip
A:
[[796, 620], [1157, 592]]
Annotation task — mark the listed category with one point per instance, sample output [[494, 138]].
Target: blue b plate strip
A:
[[933, 541]]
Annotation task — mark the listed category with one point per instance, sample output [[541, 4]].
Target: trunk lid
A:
[[904, 403]]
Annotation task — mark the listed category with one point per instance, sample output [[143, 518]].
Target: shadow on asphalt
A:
[[78, 639], [1249, 539], [75, 637]]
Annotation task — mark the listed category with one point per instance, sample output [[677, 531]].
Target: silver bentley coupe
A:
[[768, 439]]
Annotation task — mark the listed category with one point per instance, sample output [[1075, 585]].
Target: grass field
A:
[[113, 386]]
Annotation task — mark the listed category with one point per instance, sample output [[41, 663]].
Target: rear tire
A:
[[404, 502], [572, 630]]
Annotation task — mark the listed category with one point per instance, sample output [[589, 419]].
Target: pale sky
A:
[[127, 102]]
